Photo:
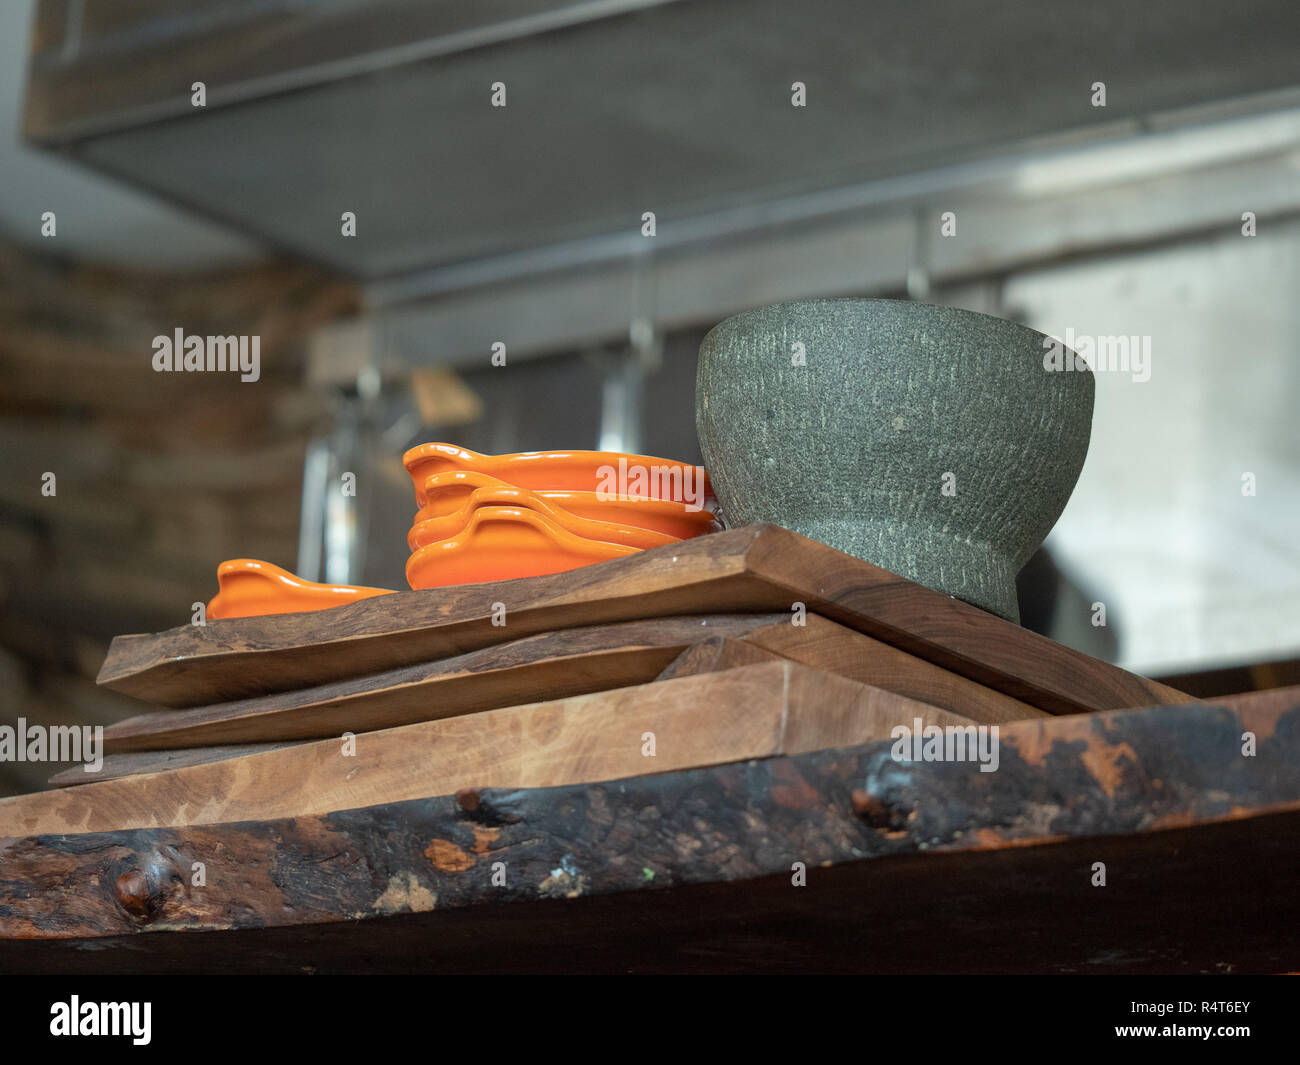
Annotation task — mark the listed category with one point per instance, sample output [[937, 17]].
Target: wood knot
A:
[[134, 895], [490, 809], [871, 809]]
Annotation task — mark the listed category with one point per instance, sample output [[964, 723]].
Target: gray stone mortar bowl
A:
[[930, 441]]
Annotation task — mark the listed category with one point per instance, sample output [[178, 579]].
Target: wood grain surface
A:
[[827, 645], [1277, 698], [754, 712], [921, 867], [713, 656], [243, 657], [757, 568], [135, 763], [708, 656], [548, 666], [551, 665], [952, 634]]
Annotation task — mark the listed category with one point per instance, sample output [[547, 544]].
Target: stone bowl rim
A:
[[919, 307]]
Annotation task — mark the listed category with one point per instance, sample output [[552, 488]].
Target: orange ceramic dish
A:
[[450, 492], [608, 473], [248, 588], [503, 543], [430, 530]]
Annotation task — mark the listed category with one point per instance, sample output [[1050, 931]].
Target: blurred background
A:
[[1110, 168]]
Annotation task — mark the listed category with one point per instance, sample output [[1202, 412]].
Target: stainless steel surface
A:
[[681, 108], [1012, 213]]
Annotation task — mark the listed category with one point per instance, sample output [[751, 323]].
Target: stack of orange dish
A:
[[498, 517]]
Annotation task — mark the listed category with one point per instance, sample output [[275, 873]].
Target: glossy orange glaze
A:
[[501, 517], [503, 543], [569, 471], [431, 530], [249, 587], [450, 493]]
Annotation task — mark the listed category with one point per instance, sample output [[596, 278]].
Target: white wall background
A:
[[1192, 571]]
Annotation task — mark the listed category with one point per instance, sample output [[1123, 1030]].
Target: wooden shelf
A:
[[924, 867]]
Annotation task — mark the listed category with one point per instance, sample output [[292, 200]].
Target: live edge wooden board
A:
[[753, 569], [905, 867], [755, 711], [554, 665]]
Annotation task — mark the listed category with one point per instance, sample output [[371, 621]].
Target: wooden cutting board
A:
[[551, 665], [828, 645], [554, 665], [751, 712], [713, 656], [114, 766], [757, 568]]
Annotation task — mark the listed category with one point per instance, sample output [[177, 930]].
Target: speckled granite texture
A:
[[894, 402]]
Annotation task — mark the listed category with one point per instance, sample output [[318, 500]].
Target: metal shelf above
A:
[[613, 108]]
